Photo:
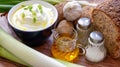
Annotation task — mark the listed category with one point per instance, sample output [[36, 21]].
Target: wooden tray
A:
[[45, 48]]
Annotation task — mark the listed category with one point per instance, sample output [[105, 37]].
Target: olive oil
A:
[[65, 49]]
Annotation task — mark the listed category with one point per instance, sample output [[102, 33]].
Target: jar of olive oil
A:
[[64, 46]]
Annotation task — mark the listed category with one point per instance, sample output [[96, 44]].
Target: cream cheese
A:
[[33, 17]]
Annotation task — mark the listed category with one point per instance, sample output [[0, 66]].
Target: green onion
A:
[[23, 15], [40, 8], [4, 8], [25, 8], [11, 3], [33, 13], [6, 5], [23, 5], [30, 7], [34, 19]]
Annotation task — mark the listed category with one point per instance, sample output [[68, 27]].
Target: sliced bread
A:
[[106, 19]]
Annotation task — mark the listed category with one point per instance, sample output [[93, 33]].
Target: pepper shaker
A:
[[84, 28], [95, 51]]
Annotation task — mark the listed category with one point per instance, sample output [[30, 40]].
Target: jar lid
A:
[[84, 23], [96, 37]]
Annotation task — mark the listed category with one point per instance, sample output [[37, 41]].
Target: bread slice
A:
[[106, 19]]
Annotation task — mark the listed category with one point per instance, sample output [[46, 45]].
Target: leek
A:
[[7, 55], [25, 53]]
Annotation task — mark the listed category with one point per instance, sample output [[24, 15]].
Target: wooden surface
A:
[[45, 48]]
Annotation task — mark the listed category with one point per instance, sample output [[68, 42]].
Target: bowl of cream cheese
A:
[[32, 21]]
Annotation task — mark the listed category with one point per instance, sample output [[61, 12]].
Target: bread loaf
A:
[[87, 11], [106, 19]]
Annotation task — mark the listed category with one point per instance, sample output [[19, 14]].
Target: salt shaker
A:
[[84, 28], [95, 50]]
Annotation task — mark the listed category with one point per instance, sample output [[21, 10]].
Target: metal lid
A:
[[84, 23], [96, 37]]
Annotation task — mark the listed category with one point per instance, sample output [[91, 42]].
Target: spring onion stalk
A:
[[10, 2], [6, 5], [25, 53], [4, 8], [54, 1], [6, 54]]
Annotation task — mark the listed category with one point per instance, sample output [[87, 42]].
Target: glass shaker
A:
[[84, 28], [95, 50]]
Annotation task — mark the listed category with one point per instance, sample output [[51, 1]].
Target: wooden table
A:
[[45, 48]]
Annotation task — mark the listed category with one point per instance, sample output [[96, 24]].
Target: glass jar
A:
[[64, 46], [84, 28]]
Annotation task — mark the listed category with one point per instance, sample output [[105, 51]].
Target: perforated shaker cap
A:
[[96, 37], [84, 23]]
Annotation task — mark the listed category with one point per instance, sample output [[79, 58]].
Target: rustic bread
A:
[[87, 11], [106, 19]]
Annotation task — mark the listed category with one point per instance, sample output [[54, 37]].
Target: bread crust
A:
[[111, 8], [87, 11], [112, 44]]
